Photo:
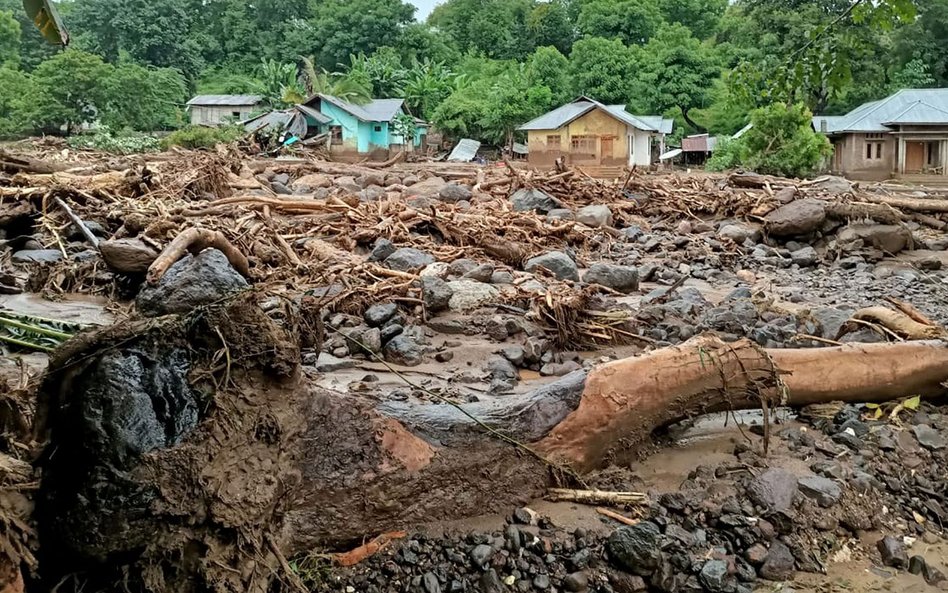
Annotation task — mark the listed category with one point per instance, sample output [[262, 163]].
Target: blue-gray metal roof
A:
[[225, 100], [380, 110], [313, 113], [564, 114], [908, 106]]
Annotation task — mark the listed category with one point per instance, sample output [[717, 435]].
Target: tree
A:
[[33, 49], [677, 70], [924, 39], [913, 75], [348, 88], [418, 41], [9, 40], [548, 67], [497, 28], [782, 142], [631, 21], [604, 69], [512, 102], [550, 25], [426, 85], [144, 99], [382, 71], [69, 88], [279, 83], [17, 96], [344, 27], [700, 16]]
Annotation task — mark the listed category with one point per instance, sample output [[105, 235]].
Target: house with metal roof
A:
[[358, 131], [587, 132], [214, 110], [902, 135]]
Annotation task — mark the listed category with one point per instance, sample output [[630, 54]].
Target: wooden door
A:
[[605, 149], [914, 157]]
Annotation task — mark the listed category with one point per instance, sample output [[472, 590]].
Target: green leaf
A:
[[912, 403], [44, 15]]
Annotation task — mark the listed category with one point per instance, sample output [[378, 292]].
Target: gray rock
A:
[[824, 491], [619, 278], [892, 551], [76, 234], [128, 256], [371, 340], [368, 179], [805, 257], [191, 282], [888, 238], [481, 273], [560, 214], [714, 575], [436, 293], [575, 582], [534, 348], [834, 185], [800, 217], [37, 256], [595, 215], [408, 259], [514, 354], [738, 233], [281, 178], [460, 267], [830, 319], [327, 363], [429, 188], [468, 294], [774, 489], [390, 331], [557, 262], [454, 193], [382, 249], [541, 582], [377, 315], [481, 555], [280, 188], [929, 438], [525, 200], [779, 563], [632, 233], [404, 351], [501, 369], [430, 583], [635, 548], [501, 277], [559, 369]]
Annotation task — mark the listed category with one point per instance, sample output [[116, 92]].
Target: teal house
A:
[[360, 131]]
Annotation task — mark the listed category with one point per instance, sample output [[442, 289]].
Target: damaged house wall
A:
[[594, 138]]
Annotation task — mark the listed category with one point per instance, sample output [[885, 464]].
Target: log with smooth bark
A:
[[196, 240], [208, 438]]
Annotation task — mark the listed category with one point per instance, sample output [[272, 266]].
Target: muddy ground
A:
[[452, 281]]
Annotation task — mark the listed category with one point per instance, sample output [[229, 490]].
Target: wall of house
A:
[[641, 148], [350, 129], [215, 115], [378, 138], [849, 157], [596, 123]]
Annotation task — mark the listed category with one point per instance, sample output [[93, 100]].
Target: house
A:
[[902, 135], [697, 148], [360, 131], [214, 110], [587, 132]]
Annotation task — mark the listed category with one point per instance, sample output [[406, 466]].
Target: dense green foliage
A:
[[106, 140], [475, 67], [201, 137], [781, 142]]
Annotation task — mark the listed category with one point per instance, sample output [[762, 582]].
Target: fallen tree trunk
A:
[[911, 204], [180, 435]]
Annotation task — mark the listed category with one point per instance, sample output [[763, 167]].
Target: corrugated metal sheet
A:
[[380, 110], [225, 100], [290, 120], [873, 116], [319, 117], [464, 151], [920, 113], [519, 148], [564, 114], [696, 143]]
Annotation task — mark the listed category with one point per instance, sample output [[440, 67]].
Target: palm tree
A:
[[319, 81], [279, 83]]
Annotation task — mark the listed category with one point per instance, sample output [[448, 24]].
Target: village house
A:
[[587, 132], [360, 131], [214, 110], [904, 135]]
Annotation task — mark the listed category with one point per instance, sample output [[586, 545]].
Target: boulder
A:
[[377, 315], [454, 193], [888, 238], [557, 262], [620, 278], [636, 548], [191, 282], [800, 217], [525, 200], [382, 249], [429, 188], [128, 256], [560, 214], [313, 181], [774, 489], [595, 215], [892, 551], [805, 257], [408, 259], [470, 294], [779, 563], [738, 232], [369, 179], [824, 491], [436, 293], [404, 351]]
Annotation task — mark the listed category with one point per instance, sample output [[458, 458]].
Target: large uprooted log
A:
[[190, 453]]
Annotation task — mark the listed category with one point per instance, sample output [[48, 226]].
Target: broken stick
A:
[[195, 241]]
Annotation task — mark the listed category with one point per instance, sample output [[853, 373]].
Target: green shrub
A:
[[106, 140], [202, 137], [728, 154]]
